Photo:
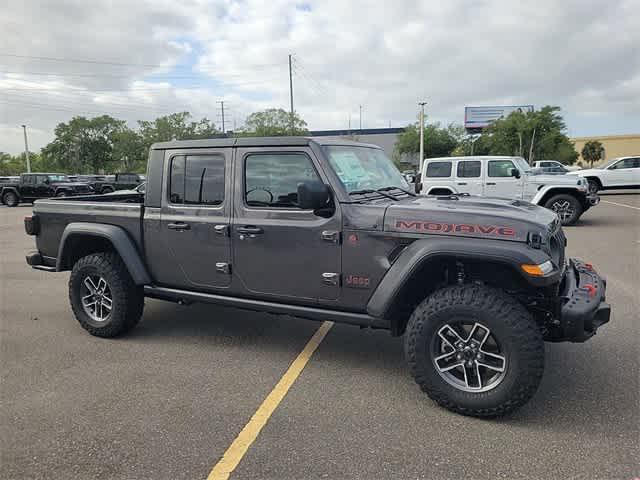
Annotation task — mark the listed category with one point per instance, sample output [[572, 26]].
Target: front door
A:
[[500, 182], [626, 172], [279, 250], [195, 220]]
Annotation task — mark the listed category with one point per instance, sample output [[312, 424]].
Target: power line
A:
[[105, 62]]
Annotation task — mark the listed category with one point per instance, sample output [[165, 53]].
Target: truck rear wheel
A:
[[567, 207], [475, 350], [10, 199], [103, 296]]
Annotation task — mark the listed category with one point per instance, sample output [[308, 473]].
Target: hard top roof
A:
[[255, 142]]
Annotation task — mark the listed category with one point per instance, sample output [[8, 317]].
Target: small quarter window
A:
[[439, 169]]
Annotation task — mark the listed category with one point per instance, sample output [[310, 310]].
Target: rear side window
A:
[[469, 169], [500, 168], [197, 180], [271, 180], [439, 169]]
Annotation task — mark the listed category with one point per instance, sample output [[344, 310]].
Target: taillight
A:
[[32, 225]]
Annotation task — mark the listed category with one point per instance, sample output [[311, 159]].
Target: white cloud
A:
[[386, 56]]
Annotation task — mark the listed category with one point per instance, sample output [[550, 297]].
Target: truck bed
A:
[[54, 214]]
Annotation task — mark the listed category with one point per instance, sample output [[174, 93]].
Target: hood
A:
[[70, 184], [588, 171], [544, 179], [469, 216]]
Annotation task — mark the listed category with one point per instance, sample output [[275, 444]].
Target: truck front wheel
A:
[[10, 199], [567, 207], [475, 350], [103, 296]]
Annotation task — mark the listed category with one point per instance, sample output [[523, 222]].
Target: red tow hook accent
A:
[[588, 266], [591, 290]]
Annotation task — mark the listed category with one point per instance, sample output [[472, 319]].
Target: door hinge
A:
[[331, 278], [223, 267], [332, 236]]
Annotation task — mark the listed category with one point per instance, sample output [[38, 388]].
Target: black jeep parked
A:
[[32, 186]]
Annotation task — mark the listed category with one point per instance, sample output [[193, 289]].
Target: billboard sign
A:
[[477, 118]]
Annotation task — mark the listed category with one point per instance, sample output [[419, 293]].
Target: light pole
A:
[[26, 149], [422, 104]]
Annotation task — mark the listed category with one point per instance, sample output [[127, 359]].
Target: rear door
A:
[[27, 186], [469, 176], [500, 182], [279, 250], [195, 219]]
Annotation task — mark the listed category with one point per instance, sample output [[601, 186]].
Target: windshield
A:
[[608, 164], [364, 168], [522, 165], [58, 178]]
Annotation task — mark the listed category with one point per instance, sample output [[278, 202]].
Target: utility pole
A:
[[291, 92], [422, 104], [360, 117], [221, 102], [26, 149]]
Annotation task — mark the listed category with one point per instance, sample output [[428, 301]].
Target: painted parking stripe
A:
[[250, 432], [620, 204]]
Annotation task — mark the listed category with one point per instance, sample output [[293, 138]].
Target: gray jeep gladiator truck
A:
[[327, 230]]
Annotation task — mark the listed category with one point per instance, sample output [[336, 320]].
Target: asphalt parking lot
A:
[[166, 401]]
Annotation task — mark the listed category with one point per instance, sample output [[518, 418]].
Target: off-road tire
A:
[[575, 203], [513, 326], [127, 297], [10, 199], [62, 193]]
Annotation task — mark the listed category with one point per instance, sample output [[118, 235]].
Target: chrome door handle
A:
[[180, 226], [249, 230], [221, 229]]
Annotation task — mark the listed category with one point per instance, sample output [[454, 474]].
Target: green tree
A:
[[83, 145], [534, 135], [129, 151], [593, 151], [175, 127], [274, 122], [438, 141], [10, 165]]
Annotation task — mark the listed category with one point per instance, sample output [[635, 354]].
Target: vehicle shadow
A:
[[572, 394]]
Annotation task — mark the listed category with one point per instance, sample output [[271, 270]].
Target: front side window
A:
[[469, 169], [271, 180], [197, 180], [439, 169], [500, 168]]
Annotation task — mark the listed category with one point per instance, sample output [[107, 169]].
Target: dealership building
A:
[[614, 145]]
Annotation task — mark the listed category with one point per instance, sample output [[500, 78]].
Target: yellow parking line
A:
[[620, 204], [250, 432]]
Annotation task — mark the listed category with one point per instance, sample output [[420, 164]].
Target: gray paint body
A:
[[282, 269]]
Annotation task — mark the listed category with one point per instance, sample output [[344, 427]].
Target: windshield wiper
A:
[[386, 189], [370, 190]]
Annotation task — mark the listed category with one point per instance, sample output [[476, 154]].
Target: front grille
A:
[[557, 243]]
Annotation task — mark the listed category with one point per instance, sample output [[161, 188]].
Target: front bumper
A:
[[583, 309]]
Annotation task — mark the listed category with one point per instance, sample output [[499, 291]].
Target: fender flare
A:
[[512, 254], [121, 241], [13, 189], [540, 194]]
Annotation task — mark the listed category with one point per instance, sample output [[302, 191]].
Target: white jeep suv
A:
[[623, 172], [507, 177]]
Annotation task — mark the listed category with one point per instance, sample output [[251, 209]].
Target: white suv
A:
[[509, 177], [623, 172]]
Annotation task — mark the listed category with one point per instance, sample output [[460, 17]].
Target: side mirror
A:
[[515, 172], [418, 187], [47, 181], [313, 195]]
